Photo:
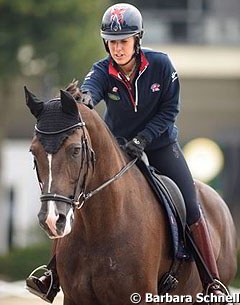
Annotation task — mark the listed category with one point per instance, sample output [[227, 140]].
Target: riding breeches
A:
[[169, 161]]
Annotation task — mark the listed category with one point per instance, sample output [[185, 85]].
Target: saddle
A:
[[168, 193]]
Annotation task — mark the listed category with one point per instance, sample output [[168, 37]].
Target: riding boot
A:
[[201, 237], [46, 286]]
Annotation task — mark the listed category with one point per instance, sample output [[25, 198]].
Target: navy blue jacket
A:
[[148, 107]]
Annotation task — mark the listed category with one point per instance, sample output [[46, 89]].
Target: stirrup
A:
[[221, 287], [47, 272]]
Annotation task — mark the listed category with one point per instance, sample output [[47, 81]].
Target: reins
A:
[[85, 197]]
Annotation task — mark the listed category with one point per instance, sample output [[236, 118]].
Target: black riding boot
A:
[[46, 286], [201, 237]]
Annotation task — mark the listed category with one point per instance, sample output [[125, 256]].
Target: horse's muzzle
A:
[[55, 218]]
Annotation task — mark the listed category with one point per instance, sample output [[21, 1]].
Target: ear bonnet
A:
[[57, 119]]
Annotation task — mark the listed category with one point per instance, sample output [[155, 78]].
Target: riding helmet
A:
[[121, 21]]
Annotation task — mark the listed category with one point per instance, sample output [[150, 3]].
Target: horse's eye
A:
[[76, 151]]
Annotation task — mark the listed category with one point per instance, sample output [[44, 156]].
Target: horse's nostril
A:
[[61, 219]]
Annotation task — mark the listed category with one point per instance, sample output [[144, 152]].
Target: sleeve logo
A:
[[155, 87], [174, 76]]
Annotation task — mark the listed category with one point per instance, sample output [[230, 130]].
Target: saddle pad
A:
[[165, 196]]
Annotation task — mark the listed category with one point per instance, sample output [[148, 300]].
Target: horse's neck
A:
[[105, 205], [109, 158], [109, 162]]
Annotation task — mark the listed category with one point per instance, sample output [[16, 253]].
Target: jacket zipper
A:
[[136, 90], [119, 78], [134, 102]]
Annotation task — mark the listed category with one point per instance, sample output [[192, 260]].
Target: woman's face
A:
[[121, 50]]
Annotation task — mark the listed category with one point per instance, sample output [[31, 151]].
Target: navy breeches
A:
[[169, 161]]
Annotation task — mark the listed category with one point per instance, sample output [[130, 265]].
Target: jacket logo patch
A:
[[155, 87], [114, 97]]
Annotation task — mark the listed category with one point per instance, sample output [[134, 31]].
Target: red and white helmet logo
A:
[[117, 18]]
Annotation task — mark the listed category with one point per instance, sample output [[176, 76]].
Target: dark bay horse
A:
[[111, 239]]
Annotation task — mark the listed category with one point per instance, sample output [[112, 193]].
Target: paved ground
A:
[[27, 301], [15, 294]]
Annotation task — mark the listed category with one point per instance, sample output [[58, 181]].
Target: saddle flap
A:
[[171, 199]]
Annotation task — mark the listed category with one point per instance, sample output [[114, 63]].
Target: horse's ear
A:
[[68, 102], [33, 103]]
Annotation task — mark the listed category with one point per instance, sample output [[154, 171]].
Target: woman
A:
[[141, 90]]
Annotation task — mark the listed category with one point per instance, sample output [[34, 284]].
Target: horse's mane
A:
[[74, 89]]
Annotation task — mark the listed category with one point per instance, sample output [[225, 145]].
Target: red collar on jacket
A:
[[113, 71]]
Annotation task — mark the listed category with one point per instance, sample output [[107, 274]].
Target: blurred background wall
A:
[[46, 44]]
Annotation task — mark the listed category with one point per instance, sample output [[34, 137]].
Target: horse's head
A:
[[63, 158]]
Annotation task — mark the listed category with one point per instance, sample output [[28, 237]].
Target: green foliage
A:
[[21, 262], [236, 281], [58, 38]]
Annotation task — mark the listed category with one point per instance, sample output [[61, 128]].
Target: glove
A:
[[86, 99], [136, 146]]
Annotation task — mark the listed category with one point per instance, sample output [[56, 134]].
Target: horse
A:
[[111, 236]]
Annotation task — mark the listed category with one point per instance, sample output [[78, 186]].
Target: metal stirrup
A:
[[221, 286], [47, 272]]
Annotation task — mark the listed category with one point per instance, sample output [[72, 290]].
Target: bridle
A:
[[80, 196]]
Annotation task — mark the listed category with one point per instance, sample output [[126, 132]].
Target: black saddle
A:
[[172, 200]]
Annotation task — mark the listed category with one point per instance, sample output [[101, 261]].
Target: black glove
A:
[[136, 146], [86, 99]]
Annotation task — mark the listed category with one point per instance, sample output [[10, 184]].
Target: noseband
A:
[[79, 197]]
